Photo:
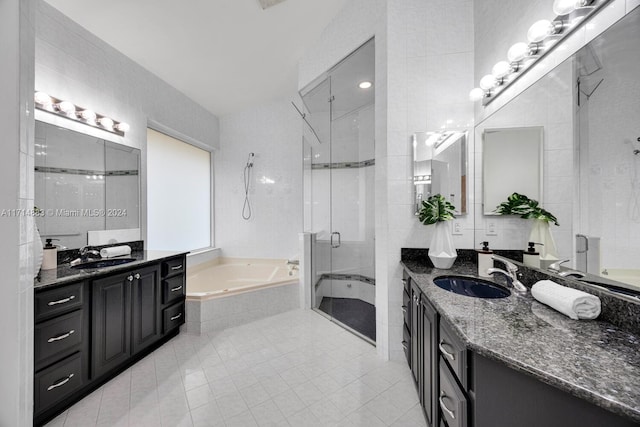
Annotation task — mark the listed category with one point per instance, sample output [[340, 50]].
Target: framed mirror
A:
[[87, 189], [511, 163], [440, 167]]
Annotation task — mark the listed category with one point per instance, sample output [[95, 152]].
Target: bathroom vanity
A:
[[513, 361], [91, 324]]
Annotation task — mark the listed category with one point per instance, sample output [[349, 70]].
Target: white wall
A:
[[72, 63], [16, 192], [274, 133]]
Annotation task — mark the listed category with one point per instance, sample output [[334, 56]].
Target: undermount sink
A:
[[471, 287], [101, 263]]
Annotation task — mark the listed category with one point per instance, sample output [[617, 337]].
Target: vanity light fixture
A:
[[69, 110], [365, 84], [543, 36]]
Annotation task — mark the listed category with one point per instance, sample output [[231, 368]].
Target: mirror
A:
[[88, 189], [515, 153], [588, 109], [440, 167]]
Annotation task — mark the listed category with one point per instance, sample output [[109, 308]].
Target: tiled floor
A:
[[357, 314], [293, 369]]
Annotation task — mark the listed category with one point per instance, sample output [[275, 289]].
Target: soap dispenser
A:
[[531, 257], [50, 258], [484, 260]]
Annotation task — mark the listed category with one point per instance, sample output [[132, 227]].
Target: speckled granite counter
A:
[[65, 274], [593, 360]]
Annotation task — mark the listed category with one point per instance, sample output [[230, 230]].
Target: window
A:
[[178, 194]]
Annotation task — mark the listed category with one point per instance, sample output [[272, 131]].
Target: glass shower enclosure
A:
[[339, 191]]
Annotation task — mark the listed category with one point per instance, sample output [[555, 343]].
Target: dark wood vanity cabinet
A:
[[125, 317], [89, 331], [460, 388]]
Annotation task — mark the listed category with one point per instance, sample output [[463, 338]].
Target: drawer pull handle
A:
[[61, 337], [177, 316], [61, 301], [404, 282], [445, 352], [137, 276], [58, 384], [130, 278], [451, 413], [177, 267], [177, 288], [404, 345], [404, 309]]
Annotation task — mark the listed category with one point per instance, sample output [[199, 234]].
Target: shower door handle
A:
[[333, 245]]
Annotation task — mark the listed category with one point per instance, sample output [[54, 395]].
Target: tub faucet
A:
[[511, 273]]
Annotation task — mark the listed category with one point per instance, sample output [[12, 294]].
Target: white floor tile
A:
[[295, 368]]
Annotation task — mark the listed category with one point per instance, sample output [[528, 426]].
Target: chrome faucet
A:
[[511, 273], [576, 273], [87, 253], [556, 265]]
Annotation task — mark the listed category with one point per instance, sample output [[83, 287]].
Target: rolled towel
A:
[[115, 251], [571, 302]]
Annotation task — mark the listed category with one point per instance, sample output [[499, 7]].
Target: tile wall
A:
[[274, 133]]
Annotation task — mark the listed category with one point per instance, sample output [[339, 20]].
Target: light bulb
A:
[[42, 99], [122, 127], [67, 107], [488, 82], [501, 69], [88, 115], [106, 122], [540, 30], [518, 52], [365, 85], [476, 94], [565, 7]]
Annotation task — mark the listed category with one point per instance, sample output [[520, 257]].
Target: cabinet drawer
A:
[[173, 317], [57, 382], [173, 266], [453, 351], [49, 303], [452, 401], [59, 336], [173, 289], [406, 307]]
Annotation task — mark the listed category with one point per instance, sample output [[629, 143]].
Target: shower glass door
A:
[[339, 188]]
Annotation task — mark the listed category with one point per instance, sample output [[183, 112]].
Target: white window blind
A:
[[178, 194]]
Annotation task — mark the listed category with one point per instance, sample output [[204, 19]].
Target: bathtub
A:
[[227, 292]]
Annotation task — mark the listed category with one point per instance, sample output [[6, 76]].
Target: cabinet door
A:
[[111, 318], [429, 361], [415, 332], [147, 321]]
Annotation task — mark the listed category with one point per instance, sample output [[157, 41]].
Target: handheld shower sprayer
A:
[[246, 207]]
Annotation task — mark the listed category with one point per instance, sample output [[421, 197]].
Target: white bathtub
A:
[[227, 292]]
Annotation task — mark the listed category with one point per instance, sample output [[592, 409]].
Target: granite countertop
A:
[[591, 359], [65, 274]]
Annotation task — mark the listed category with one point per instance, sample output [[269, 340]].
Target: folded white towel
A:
[[571, 302], [115, 251]]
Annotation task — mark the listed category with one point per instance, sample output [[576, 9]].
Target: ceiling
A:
[[227, 55]]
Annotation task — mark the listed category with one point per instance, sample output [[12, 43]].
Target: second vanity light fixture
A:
[[71, 111], [542, 36]]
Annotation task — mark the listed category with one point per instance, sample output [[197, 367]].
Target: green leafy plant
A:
[[519, 204], [436, 209]]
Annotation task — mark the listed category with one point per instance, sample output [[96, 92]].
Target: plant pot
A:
[[541, 233], [442, 252]]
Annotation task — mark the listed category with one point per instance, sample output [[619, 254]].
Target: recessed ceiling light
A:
[[365, 85]]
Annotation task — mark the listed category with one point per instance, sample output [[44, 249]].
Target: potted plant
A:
[[437, 210], [521, 205]]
